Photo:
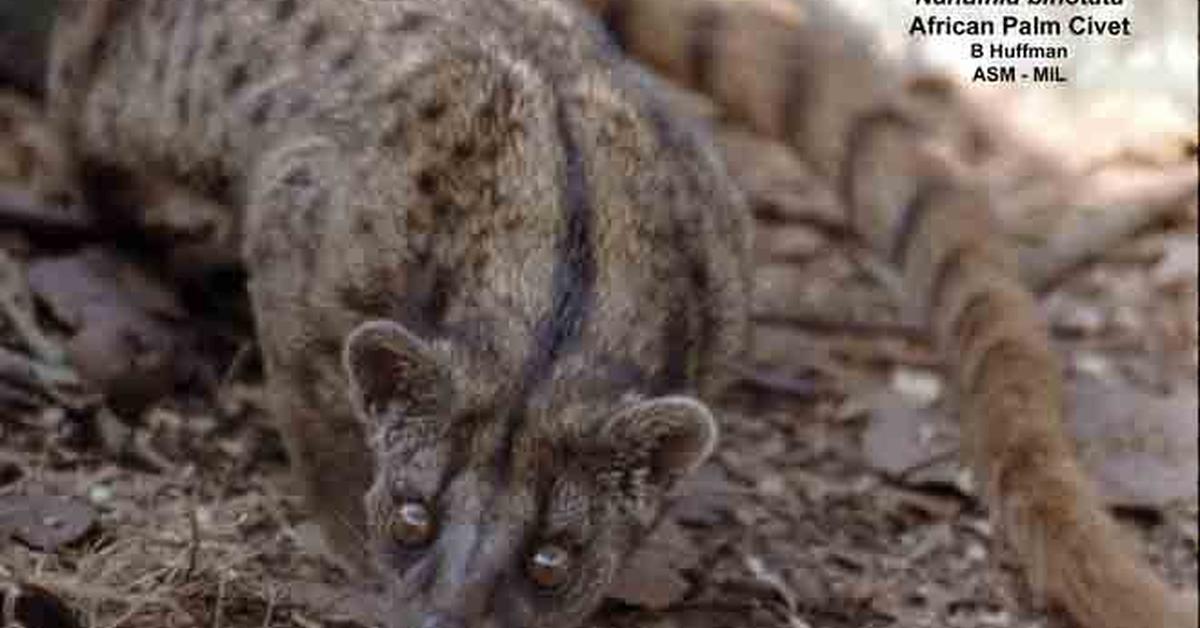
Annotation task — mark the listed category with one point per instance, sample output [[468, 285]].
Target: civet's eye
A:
[[413, 524], [549, 566]]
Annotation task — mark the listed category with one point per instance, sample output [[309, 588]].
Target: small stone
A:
[[1092, 364], [100, 494], [920, 386], [977, 553]]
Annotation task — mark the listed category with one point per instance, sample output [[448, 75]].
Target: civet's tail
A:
[[794, 73]]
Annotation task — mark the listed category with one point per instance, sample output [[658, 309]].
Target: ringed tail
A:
[[792, 72]]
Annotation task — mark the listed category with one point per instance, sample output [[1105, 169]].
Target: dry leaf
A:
[[44, 522]]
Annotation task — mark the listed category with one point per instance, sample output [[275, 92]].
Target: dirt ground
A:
[[801, 518]]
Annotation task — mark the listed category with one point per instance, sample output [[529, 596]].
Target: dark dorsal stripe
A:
[[572, 283], [575, 276]]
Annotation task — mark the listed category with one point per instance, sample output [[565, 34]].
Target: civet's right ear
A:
[[393, 374], [671, 436]]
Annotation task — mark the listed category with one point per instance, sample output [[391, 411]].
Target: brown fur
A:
[[435, 168], [778, 65], [486, 267]]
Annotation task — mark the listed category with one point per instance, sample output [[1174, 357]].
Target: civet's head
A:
[[484, 519]]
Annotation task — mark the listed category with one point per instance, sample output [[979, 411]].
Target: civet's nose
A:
[[441, 621]]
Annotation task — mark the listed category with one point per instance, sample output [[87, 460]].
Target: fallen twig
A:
[[775, 382]]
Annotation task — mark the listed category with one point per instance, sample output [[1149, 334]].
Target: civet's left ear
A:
[[393, 374], [671, 435]]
